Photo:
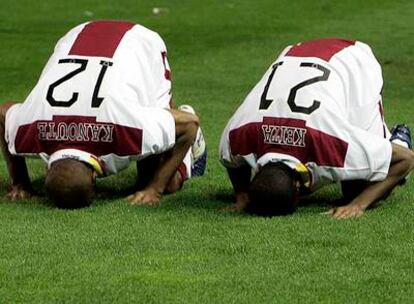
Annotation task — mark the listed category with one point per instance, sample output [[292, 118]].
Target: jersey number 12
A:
[[96, 100]]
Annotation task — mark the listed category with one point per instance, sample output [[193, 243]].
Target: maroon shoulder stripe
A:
[[321, 48], [100, 38]]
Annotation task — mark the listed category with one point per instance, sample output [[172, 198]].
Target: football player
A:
[[102, 101], [314, 118]]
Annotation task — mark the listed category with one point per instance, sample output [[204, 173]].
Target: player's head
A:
[[274, 190], [70, 183]]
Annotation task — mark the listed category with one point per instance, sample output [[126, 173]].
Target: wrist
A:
[[21, 184], [359, 204], [155, 189], [242, 197]]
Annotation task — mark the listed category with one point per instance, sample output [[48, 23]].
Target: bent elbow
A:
[[193, 126], [196, 121], [407, 164]]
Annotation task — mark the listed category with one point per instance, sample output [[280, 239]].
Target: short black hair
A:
[[273, 190], [69, 184]]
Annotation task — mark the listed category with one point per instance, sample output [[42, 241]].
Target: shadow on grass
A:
[[104, 194], [314, 203], [110, 191]]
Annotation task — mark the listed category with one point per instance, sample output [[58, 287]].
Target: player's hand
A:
[[19, 192], [234, 208], [348, 211], [148, 196], [239, 206]]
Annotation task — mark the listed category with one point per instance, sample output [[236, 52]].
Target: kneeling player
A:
[[102, 101], [314, 118]]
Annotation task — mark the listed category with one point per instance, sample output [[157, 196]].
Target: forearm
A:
[[240, 180], [401, 165], [186, 129], [17, 169], [169, 165]]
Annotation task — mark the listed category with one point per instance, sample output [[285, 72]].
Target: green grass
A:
[[187, 250]]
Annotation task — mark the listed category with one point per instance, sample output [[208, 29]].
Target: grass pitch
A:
[[187, 250]]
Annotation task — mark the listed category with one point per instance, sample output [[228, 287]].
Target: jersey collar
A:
[[79, 155], [291, 162]]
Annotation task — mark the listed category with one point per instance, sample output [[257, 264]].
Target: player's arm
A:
[[186, 125], [149, 164], [240, 179], [173, 105], [238, 170], [20, 186], [402, 163]]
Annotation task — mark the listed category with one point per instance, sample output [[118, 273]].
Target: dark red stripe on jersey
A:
[[322, 48], [318, 147], [167, 72], [78, 132], [100, 38]]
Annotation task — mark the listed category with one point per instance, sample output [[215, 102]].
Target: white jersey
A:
[[318, 105], [101, 95]]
